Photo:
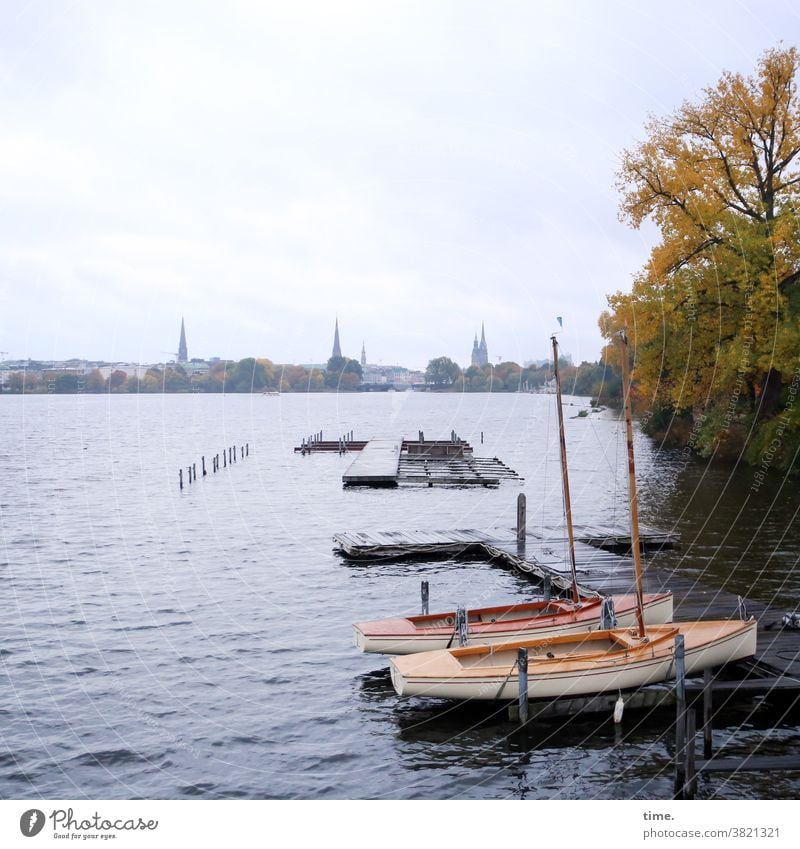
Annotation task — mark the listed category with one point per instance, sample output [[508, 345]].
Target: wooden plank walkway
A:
[[376, 464], [454, 471]]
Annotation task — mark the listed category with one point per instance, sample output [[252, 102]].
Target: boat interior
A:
[[508, 613]]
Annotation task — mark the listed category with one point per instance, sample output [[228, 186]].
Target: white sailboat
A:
[[585, 663], [535, 619]]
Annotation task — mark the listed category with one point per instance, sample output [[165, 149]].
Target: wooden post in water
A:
[[247, 449], [203, 461], [425, 593], [691, 774], [521, 518], [234, 453], [708, 680], [522, 664], [224, 459], [180, 478], [481, 437], [680, 717], [462, 627], [230, 455], [194, 471]]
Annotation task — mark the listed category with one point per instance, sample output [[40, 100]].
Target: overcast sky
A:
[[262, 167]]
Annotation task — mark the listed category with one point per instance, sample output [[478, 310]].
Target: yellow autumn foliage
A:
[[714, 315]]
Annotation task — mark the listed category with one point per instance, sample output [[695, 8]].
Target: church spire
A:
[[363, 354], [484, 352], [337, 350], [183, 355]]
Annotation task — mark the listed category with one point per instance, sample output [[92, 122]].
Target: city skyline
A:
[[222, 172]]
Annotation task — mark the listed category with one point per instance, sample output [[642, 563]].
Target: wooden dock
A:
[[377, 464], [391, 462]]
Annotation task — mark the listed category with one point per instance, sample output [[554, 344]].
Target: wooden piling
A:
[[203, 462], [247, 449], [180, 478], [522, 665], [234, 453], [680, 717], [708, 678], [521, 517], [691, 772], [461, 626], [425, 593], [194, 471], [481, 437], [224, 459], [230, 455]]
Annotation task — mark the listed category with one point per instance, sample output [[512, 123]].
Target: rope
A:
[[510, 673]]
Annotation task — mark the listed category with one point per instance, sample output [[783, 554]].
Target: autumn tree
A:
[[343, 373], [442, 372], [713, 315]]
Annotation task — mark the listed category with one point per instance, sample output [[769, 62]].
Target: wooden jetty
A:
[[377, 464], [424, 462]]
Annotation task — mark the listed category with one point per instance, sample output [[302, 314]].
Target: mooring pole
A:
[[521, 518], [680, 716], [522, 664], [708, 680], [691, 775], [180, 478], [425, 593], [462, 627], [247, 449], [608, 616], [203, 461]]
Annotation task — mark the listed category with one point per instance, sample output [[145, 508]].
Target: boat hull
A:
[[409, 636], [571, 666]]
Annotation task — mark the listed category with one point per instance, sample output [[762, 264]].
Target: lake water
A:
[[197, 644]]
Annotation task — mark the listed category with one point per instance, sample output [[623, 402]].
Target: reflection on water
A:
[[198, 644]]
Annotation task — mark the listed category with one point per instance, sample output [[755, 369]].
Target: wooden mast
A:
[[565, 475], [636, 548]]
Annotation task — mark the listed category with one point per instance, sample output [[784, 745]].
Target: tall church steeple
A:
[[183, 355], [363, 354], [476, 354], [484, 352], [337, 350]]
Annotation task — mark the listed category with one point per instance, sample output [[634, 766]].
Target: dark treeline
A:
[[247, 375], [596, 380], [339, 375]]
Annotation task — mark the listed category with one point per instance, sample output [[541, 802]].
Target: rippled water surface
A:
[[166, 644]]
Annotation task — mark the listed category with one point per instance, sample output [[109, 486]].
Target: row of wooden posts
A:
[[685, 719], [229, 455], [308, 443]]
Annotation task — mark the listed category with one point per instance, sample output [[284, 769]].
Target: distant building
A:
[[183, 355], [480, 353], [337, 348]]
